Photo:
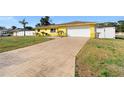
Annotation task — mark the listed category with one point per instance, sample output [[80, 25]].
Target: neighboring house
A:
[[5, 32], [72, 29], [105, 32], [0, 33], [21, 33]]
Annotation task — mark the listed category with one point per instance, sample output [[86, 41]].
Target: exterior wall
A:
[[21, 33], [53, 33], [106, 32], [64, 29], [92, 31]]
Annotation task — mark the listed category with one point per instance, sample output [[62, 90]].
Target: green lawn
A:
[[101, 57], [11, 43]]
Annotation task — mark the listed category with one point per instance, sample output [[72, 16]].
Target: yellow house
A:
[[72, 29]]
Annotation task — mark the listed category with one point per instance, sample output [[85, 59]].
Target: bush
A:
[[60, 33], [105, 73], [38, 34]]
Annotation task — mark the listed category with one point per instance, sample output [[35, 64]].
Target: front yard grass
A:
[[11, 43], [101, 57]]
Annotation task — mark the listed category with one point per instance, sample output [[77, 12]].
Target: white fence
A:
[[21, 33], [105, 32]]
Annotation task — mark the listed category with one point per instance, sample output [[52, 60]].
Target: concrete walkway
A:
[[51, 58]]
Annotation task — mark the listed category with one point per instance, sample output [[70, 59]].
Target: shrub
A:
[[60, 33], [105, 73]]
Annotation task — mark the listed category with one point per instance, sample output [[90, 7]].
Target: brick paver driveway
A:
[[51, 58]]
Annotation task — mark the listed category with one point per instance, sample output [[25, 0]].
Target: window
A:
[[53, 30]]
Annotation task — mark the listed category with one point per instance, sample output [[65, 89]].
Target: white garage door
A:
[[78, 31]]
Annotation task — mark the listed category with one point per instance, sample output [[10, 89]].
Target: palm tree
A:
[[23, 22]]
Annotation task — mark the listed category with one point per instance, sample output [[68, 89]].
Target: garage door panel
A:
[[79, 31]]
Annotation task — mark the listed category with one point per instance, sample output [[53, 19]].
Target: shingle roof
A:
[[74, 23]]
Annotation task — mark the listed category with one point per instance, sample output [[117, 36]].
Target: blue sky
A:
[[9, 21]]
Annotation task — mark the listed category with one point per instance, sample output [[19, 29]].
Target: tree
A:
[[121, 22], [37, 25], [24, 23], [110, 24], [44, 21], [29, 28], [100, 24], [2, 28], [13, 27], [120, 26], [107, 24]]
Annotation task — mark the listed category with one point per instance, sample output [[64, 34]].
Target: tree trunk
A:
[[24, 30]]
